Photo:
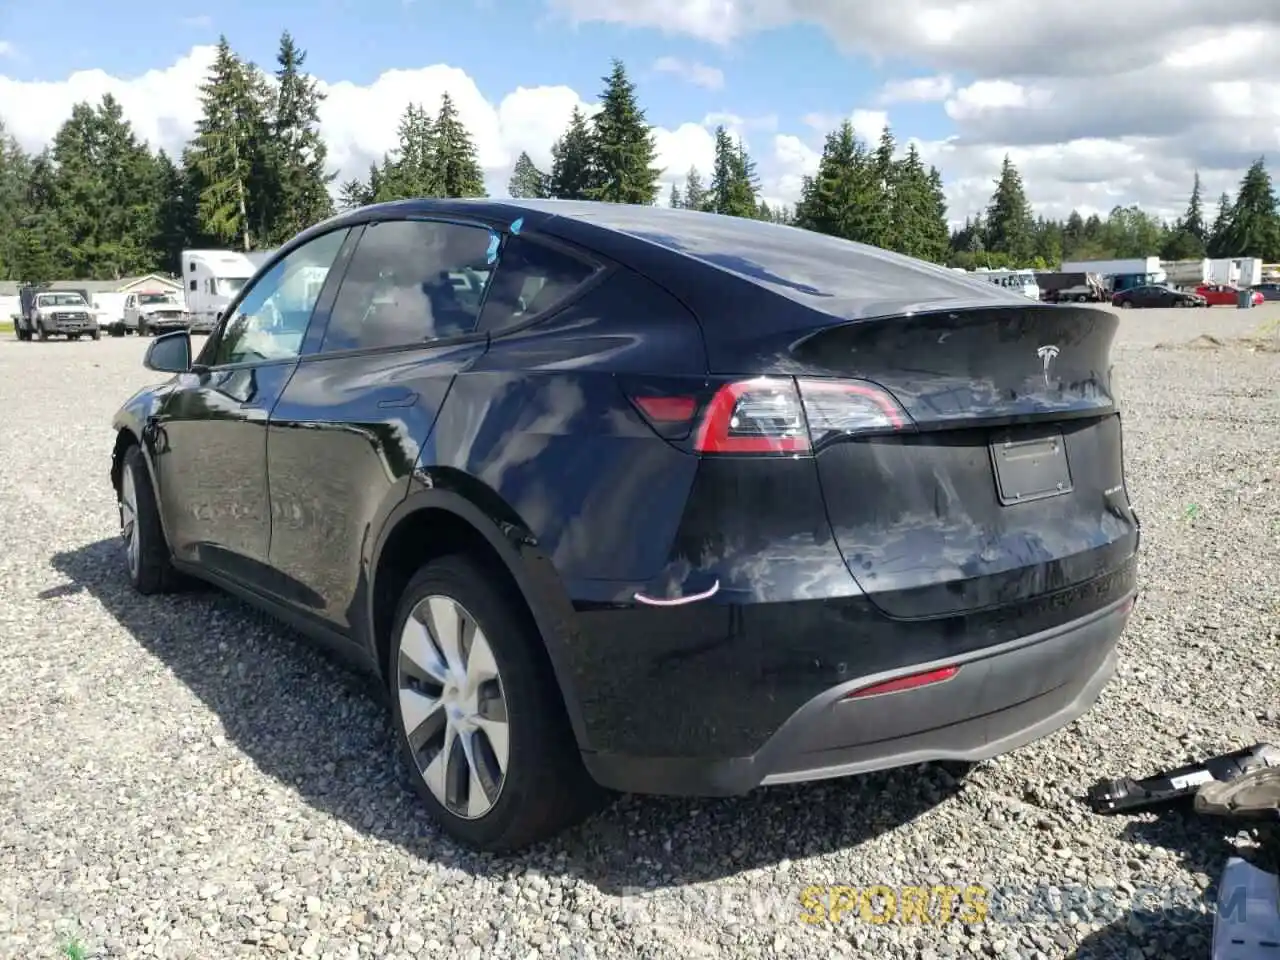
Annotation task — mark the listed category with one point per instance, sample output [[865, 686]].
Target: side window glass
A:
[[271, 320], [530, 279], [410, 281]]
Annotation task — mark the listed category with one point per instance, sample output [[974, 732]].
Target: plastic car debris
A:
[[1127, 794], [1252, 796], [1246, 923]]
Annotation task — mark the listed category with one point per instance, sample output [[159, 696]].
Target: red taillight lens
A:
[[836, 408], [898, 684], [779, 415], [754, 416]]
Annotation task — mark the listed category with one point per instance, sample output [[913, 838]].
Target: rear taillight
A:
[[781, 415], [842, 408], [754, 416]]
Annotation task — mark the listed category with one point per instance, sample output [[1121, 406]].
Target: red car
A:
[[1224, 295]]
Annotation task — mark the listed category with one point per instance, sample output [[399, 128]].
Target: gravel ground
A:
[[181, 778]]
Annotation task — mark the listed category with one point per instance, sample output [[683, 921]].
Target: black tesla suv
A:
[[620, 498]]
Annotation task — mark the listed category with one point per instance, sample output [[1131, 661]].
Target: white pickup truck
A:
[[150, 313]]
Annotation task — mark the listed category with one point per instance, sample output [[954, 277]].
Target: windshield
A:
[[230, 286], [60, 300], [155, 298]]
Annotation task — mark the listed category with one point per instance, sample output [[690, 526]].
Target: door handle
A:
[[406, 399]]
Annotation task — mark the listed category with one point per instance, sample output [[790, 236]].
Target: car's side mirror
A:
[[217, 317], [169, 353]]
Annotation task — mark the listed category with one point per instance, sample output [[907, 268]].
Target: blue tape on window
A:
[[492, 253], [515, 227]]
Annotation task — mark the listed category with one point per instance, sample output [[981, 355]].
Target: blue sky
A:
[[1121, 119], [788, 73]]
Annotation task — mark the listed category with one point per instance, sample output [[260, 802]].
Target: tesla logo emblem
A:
[[1046, 355]]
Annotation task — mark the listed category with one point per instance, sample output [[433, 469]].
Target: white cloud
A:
[[1094, 113], [7, 49], [699, 74], [917, 89], [358, 122]]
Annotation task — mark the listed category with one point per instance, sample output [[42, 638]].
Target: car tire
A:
[[1126, 305], [147, 558], [42, 332], [503, 698], [96, 335]]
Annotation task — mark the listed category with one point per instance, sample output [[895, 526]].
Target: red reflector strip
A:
[[667, 409], [910, 682]]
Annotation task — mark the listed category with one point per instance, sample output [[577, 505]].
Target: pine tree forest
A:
[[97, 203]]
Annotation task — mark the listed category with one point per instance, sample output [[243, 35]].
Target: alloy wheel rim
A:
[[129, 519], [453, 708]]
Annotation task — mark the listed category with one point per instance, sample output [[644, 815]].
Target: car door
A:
[[211, 438], [344, 437]]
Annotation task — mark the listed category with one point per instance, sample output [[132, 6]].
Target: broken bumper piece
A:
[[1127, 794]]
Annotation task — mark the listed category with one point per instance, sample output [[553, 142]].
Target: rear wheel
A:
[[478, 714], [1126, 304], [146, 551]]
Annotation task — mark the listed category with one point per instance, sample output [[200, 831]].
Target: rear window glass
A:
[[410, 281], [818, 270], [531, 278]]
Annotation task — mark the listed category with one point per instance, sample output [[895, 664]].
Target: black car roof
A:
[[834, 276]]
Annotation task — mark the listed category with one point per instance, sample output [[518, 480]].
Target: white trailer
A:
[[1186, 273], [210, 279], [1023, 281]]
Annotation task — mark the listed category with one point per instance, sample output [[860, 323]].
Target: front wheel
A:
[[1126, 305], [146, 551], [42, 332], [478, 714]]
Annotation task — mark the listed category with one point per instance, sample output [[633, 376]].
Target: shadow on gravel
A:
[[322, 730], [1164, 922]]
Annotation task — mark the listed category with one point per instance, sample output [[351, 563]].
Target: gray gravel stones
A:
[[181, 778]]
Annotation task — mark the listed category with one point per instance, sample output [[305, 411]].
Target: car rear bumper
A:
[[1002, 697]]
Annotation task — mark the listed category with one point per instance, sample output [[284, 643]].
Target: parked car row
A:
[[1205, 295], [46, 312]]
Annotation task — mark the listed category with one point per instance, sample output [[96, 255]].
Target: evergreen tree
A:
[[624, 148], [723, 174], [15, 174], [843, 199], [937, 233], [1009, 217], [675, 201], [106, 194], [696, 196], [1253, 229], [457, 169], [1219, 244], [298, 152], [410, 171], [1187, 239], [527, 181], [353, 193], [886, 228], [173, 221], [227, 151], [573, 173]]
